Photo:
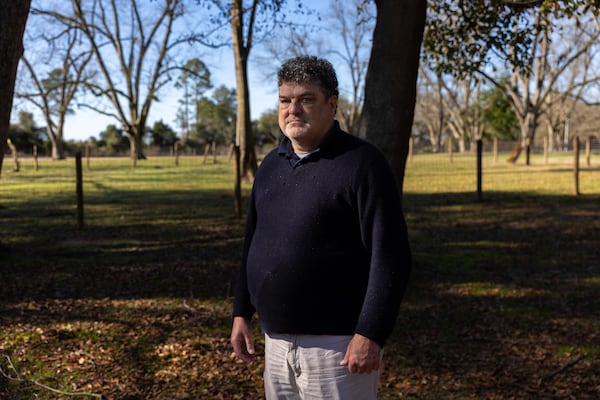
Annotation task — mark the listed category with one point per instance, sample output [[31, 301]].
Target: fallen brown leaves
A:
[[136, 349]]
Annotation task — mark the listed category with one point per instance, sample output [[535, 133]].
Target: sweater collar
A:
[[285, 147]]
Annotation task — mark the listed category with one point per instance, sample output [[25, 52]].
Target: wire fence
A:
[[76, 177], [579, 164]]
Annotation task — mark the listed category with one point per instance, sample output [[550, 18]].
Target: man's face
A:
[[305, 114]]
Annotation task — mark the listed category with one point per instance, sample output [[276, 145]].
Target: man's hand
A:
[[362, 355], [242, 339]]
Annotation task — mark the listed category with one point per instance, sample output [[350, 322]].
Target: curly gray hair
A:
[[304, 69]]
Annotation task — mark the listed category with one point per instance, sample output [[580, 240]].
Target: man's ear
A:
[[333, 103]]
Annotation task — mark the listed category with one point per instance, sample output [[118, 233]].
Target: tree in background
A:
[[352, 23], [431, 115], [162, 135], [530, 87], [498, 117], [216, 117], [455, 104], [577, 85], [113, 139], [54, 94], [526, 38], [13, 17], [194, 80], [135, 50], [266, 128], [24, 135]]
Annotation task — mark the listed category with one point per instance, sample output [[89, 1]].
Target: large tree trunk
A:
[[528, 124], [135, 135], [136, 147], [58, 148], [391, 82], [13, 16]]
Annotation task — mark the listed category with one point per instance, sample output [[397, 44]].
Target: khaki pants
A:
[[307, 367]]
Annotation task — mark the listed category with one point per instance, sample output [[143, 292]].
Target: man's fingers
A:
[[345, 360], [242, 350], [356, 367], [249, 345]]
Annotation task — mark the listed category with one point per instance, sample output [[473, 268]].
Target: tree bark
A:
[[13, 17], [57, 144], [390, 88], [241, 52], [135, 136]]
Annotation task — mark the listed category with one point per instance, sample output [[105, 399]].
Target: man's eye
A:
[[307, 100]]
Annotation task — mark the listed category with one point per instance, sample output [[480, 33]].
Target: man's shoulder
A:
[[274, 153], [270, 160], [354, 146]]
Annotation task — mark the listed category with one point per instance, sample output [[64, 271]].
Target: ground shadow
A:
[[502, 302]]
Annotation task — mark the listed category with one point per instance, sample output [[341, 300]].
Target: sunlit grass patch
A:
[[487, 245], [569, 350], [590, 282], [523, 313], [490, 289]]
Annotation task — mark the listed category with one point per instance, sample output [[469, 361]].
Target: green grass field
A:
[[503, 301]]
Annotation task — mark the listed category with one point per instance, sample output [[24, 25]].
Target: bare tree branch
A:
[[14, 375]]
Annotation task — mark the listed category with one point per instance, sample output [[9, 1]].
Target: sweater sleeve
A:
[[384, 235], [242, 306]]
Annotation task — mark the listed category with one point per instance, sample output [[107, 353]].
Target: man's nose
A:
[[294, 107]]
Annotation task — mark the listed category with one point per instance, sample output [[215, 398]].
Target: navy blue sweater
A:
[[326, 249]]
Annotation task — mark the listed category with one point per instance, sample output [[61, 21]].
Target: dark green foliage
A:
[[499, 118], [162, 135], [463, 36]]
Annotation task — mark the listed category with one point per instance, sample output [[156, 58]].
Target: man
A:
[[326, 257]]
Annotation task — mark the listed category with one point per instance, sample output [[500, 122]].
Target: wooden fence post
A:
[[35, 158], [479, 169], [495, 150], [206, 149], [13, 151], [237, 186], [79, 190], [231, 151], [576, 163], [588, 151], [546, 149], [88, 154]]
